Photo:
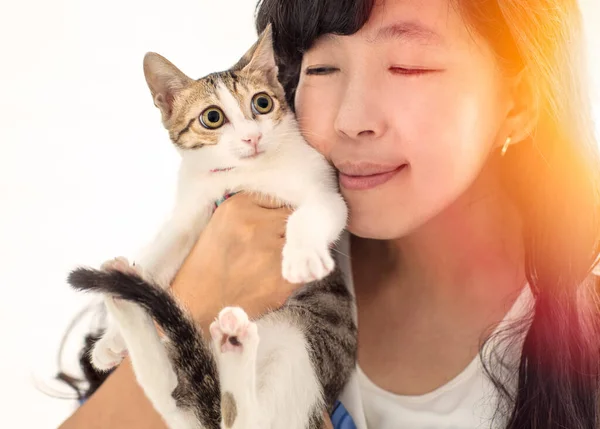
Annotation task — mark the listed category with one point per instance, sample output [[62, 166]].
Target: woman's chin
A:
[[379, 227]]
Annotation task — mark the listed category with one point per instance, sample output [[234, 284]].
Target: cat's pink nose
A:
[[253, 139]]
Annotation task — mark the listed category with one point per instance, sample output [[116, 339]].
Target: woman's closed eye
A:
[[320, 70], [412, 71]]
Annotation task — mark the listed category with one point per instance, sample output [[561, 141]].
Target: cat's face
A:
[[227, 118], [230, 117]]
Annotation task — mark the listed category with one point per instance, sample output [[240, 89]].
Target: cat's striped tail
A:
[[159, 303]]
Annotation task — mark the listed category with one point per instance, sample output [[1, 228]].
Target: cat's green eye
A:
[[212, 118], [262, 103]]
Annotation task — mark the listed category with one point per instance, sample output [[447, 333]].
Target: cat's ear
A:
[[261, 57], [165, 82]]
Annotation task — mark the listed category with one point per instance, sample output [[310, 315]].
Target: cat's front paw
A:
[[232, 331], [303, 264]]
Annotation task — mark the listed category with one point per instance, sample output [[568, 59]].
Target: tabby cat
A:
[[235, 132]]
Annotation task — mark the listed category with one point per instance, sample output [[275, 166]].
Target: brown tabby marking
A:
[[228, 409], [186, 131]]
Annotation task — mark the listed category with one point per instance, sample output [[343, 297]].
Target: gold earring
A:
[[506, 144]]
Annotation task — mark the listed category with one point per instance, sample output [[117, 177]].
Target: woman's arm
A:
[[118, 404]]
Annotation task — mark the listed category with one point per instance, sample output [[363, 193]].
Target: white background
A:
[[86, 169]]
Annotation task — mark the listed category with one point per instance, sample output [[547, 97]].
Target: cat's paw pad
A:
[[306, 264], [121, 264], [232, 330], [108, 352]]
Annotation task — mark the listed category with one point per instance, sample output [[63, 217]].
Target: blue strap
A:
[[340, 418], [222, 199]]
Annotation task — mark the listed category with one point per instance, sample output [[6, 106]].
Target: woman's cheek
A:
[[315, 115], [438, 131]]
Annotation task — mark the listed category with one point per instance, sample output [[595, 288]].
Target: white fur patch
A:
[[288, 387], [240, 127]]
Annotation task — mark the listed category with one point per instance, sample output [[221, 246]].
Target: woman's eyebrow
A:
[[408, 30]]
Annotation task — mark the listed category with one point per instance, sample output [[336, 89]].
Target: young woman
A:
[[463, 139]]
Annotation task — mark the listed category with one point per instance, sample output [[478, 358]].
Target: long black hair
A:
[[552, 178]]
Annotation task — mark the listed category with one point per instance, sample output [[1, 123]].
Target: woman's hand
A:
[[237, 260]]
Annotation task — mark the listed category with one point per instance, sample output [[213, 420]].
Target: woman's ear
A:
[[523, 109]]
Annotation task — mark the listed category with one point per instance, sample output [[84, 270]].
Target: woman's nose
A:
[[359, 115]]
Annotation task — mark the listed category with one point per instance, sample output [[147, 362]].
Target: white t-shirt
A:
[[466, 402]]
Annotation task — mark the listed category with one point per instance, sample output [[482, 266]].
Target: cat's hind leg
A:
[[150, 362], [235, 342], [110, 350]]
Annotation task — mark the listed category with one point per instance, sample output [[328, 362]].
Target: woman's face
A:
[[408, 109]]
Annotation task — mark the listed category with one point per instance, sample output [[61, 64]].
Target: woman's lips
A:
[[359, 177]]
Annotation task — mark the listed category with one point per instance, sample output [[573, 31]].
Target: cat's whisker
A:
[[340, 252], [303, 133], [312, 134]]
